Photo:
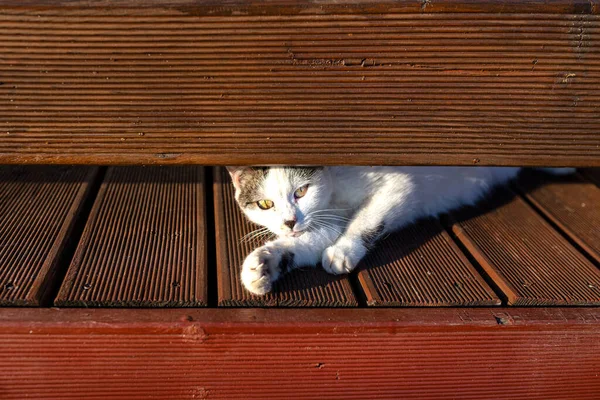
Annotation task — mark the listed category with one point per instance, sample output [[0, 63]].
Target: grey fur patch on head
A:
[[249, 182], [305, 172]]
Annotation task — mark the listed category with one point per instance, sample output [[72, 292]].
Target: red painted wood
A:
[[267, 353]]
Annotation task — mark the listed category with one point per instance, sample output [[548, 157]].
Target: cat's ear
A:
[[236, 174]]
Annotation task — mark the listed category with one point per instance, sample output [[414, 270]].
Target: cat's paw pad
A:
[[342, 257], [260, 270]]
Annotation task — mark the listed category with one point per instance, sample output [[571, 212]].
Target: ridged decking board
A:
[[572, 203], [527, 259], [38, 210], [422, 266], [301, 287], [294, 82], [144, 243]]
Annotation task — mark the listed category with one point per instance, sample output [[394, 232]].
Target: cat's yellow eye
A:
[[264, 204], [300, 192]]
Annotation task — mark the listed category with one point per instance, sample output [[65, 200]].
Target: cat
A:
[[334, 215]]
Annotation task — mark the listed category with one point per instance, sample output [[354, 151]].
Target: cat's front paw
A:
[[261, 268], [343, 256]]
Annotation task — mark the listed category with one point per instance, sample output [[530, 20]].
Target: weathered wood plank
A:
[[570, 202], [144, 243], [527, 258], [422, 266], [415, 82], [39, 207]]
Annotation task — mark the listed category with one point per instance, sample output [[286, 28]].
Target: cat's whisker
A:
[[327, 234], [256, 234], [330, 227], [328, 214], [262, 237], [332, 217], [251, 238], [328, 223], [332, 209], [254, 231], [317, 231], [327, 210], [336, 222], [333, 222]]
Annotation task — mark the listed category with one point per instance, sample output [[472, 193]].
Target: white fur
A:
[[343, 205]]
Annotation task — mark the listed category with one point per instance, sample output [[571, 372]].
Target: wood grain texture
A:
[[421, 266], [571, 202], [470, 353], [39, 207], [309, 287], [527, 259], [279, 7], [144, 243], [415, 82]]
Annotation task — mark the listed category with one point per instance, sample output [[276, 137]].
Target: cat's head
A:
[[282, 198]]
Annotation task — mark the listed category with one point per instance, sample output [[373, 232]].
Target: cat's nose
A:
[[290, 224]]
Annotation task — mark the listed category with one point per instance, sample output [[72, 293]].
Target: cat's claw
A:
[[260, 270], [342, 257]]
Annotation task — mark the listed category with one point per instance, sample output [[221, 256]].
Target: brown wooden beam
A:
[[290, 82], [278, 7]]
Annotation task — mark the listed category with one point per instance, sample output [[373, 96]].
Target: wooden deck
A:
[[148, 241]]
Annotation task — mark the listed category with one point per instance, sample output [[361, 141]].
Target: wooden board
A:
[[293, 82], [310, 287], [527, 259], [144, 243], [247, 354], [422, 266], [39, 207], [572, 203]]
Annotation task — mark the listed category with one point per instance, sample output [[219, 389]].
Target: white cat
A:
[[335, 214]]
